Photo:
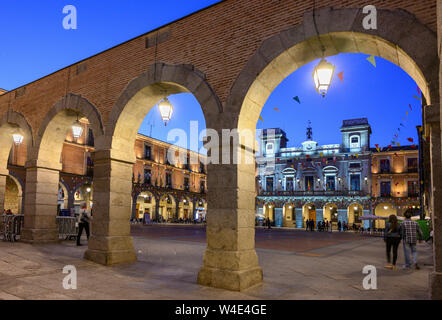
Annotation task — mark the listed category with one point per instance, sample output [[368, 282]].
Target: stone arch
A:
[[144, 92], [44, 164], [341, 31], [185, 208], [354, 209], [384, 209], [168, 210], [14, 200], [66, 190], [55, 126], [11, 121], [141, 205], [309, 212]]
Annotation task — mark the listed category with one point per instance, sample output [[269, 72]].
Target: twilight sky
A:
[[35, 44]]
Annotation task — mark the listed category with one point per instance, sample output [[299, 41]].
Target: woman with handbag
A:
[[392, 238]]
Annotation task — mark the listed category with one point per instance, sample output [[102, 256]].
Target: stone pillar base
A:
[[110, 250], [436, 285], [228, 279], [39, 236]]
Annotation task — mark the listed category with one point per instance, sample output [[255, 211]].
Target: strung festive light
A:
[[166, 110], [322, 76]]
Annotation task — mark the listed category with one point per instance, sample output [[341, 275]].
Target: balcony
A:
[[312, 193]]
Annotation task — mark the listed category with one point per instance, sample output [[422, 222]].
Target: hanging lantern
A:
[[166, 110], [323, 75], [17, 137], [77, 129]]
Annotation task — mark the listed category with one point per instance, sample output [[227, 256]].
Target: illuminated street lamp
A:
[[166, 110], [323, 75], [17, 137], [77, 129]]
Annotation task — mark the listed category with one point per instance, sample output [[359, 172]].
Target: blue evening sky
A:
[[34, 44]]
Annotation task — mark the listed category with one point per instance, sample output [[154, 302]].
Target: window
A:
[[355, 165], [186, 184], [89, 167], [269, 148], [413, 190], [202, 187], [355, 182], [412, 164], [90, 138], [202, 169], [385, 166], [354, 142], [308, 183], [147, 152], [147, 176], [385, 189], [330, 183], [269, 184], [289, 184], [168, 179]]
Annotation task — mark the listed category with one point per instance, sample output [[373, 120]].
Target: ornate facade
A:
[[337, 182], [160, 188]]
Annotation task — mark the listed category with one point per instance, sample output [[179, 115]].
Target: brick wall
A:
[[218, 41]]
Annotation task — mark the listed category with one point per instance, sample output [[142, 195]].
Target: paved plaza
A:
[[296, 265]]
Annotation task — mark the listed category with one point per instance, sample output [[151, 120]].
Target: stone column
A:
[[134, 207], [193, 209], [299, 218], [433, 130], [41, 194], [230, 260], [71, 199], [2, 191], [110, 242]]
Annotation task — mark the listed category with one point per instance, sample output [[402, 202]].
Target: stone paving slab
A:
[[167, 268]]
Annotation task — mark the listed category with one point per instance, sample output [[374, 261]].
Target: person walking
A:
[[392, 238], [339, 225], [307, 224], [409, 231], [269, 224], [83, 223]]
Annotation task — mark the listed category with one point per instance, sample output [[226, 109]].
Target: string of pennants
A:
[[372, 59]]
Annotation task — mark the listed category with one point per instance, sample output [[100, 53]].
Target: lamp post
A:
[[77, 129], [17, 137], [166, 110], [322, 76]]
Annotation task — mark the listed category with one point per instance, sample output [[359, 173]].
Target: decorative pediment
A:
[[330, 169]]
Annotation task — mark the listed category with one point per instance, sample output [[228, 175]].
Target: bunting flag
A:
[[341, 76], [297, 99], [401, 124], [398, 144], [418, 91], [260, 118], [276, 109], [416, 97], [410, 107], [389, 147], [413, 146], [410, 139], [372, 60], [406, 113], [377, 148], [321, 154], [357, 155]]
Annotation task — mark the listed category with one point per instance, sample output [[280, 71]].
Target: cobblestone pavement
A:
[[296, 265]]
